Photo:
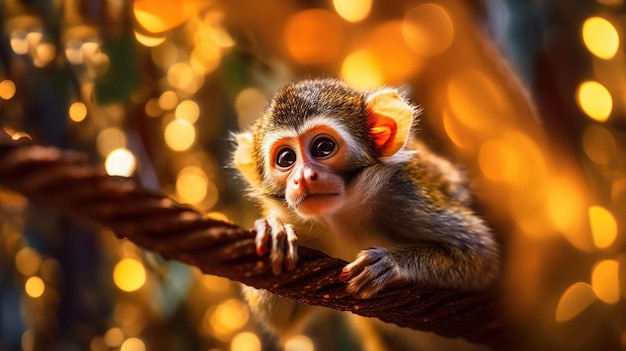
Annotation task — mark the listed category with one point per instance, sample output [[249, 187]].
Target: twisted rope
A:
[[64, 180]]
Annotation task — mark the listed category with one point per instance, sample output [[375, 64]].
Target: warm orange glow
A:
[[353, 10], [595, 100], [428, 29], [191, 184], [133, 344], [249, 103], [454, 130], [605, 280], [477, 103], [44, 53], [149, 41], [120, 162], [603, 227], [110, 139], [245, 341], [28, 261], [314, 36], [396, 61], [129, 275], [7, 89], [499, 161], [78, 111], [152, 108], [180, 75], [230, 316], [599, 144], [168, 100], [511, 159], [160, 15], [600, 37], [114, 337], [205, 58], [34, 287], [361, 69], [187, 110], [574, 300], [179, 135], [565, 208], [299, 343]]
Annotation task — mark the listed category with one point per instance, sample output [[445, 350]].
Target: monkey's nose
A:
[[306, 177]]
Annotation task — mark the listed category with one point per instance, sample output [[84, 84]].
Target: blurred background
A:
[[528, 96]]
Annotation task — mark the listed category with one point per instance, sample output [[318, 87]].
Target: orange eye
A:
[[285, 158], [322, 146]]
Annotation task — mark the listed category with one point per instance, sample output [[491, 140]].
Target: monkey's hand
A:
[[370, 272], [279, 239]]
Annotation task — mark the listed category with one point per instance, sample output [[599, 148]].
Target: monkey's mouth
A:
[[318, 195], [315, 196]]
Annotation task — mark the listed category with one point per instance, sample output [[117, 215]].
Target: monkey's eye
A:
[[285, 158], [322, 146]]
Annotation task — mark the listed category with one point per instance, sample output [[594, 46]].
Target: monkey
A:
[[339, 169]]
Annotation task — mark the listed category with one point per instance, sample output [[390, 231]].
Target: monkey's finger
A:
[[262, 236], [354, 268], [370, 281], [292, 248], [279, 236]]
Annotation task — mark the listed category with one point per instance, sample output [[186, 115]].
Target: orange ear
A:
[[244, 159], [390, 121]]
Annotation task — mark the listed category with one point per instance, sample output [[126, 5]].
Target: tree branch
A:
[[65, 181]]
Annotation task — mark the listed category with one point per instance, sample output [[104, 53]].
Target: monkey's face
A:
[[309, 164]]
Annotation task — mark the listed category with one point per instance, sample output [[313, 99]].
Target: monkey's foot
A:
[[369, 273], [282, 247]]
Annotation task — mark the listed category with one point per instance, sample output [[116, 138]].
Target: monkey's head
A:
[[315, 137]]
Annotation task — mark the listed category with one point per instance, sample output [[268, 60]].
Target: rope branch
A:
[[65, 181]]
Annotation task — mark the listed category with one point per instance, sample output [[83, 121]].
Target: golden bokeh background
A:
[[528, 98]]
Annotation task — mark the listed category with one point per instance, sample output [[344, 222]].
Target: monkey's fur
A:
[[401, 212]]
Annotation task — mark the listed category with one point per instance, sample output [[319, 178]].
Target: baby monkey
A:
[[338, 169]]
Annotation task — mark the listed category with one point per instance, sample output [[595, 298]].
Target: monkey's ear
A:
[[244, 158], [390, 121]]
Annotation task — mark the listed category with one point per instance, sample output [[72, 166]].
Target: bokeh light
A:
[[603, 227], [7, 89], [595, 100], [605, 280], [179, 135], [192, 184], [77, 111], [396, 61], [149, 41], [120, 162], [428, 29], [599, 144], [600, 37], [205, 58], [168, 100], [28, 261], [299, 343], [34, 287], [245, 341], [110, 139], [249, 103], [187, 110], [114, 337], [314, 36], [129, 275], [353, 10], [361, 69], [574, 300], [133, 344]]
